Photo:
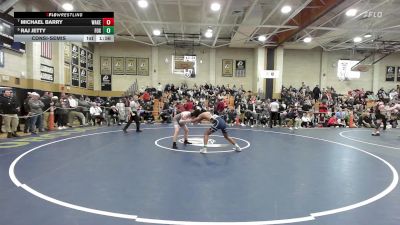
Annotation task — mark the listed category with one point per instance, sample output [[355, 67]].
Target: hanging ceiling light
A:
[[215, 6], [351, 12], [357, 39], [143, 3], [368, 35], [68, 7], [307, 39], [286, 9], [156, 32], [262, 38]]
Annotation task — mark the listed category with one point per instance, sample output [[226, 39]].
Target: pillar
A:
[[212, 66], [278, 65], [154, 67], [258, 84]]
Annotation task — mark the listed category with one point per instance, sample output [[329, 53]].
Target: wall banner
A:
[[106, 82], [227, 67], [143, 66], [390, 73], [118, 65], [105, 65], [130, 66], [240, 68]]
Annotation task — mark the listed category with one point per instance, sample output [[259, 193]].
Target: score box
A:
[[108, 21], [108, 30]]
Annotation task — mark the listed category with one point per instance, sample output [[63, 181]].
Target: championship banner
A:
[[90, 80], [90, 65], [130, 66], [143, 66], [118, 65], [67, 74], [82, 58], [46, 73], [74, 54], [75, 76], [227, 67], [67, 53], [89, 56], [83, 78], [398, 74], [390, 73], [106, 82], [89, 61], [240, 68], [105, 65]]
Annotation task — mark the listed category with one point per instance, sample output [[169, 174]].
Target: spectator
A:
[[10, 108], [306, 120], [75, 111], [36, 106], [96, 114], [113, 116], [274, 108], [316, 93], [26, 112], [46, 99]]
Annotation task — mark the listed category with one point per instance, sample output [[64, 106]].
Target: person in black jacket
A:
[[9, 105], [316, 93], [26, 112]]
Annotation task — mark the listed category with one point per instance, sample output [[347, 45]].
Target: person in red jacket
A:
[[220, 107], [146, 96], [189, 106], [333, 122]]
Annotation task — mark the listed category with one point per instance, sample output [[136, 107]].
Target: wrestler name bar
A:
[[62, 30], [64, 22]]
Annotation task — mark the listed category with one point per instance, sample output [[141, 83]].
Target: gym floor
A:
[[105, 177]]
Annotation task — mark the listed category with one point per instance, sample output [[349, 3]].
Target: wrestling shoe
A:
[[237, 148]]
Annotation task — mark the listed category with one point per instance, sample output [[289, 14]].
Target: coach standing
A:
[[10, 109]]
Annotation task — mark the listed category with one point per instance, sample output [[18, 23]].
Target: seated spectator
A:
[[96, 114], [113, 115], [306, 120], [231, 119], [75, 111], [333, 122], [366, 120]]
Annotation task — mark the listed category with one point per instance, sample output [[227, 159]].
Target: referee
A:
[[133, 115]]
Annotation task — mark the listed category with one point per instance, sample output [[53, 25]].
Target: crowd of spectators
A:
[[301, 107]]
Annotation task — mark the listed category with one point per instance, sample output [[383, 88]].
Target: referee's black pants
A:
[[134, 117]]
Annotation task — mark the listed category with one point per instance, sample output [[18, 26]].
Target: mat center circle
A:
[[216, 144]]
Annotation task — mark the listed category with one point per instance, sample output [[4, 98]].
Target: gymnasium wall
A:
[[299, 66], [320, 67], [121, 49], [311, 66], [236, 54], [163, 73]]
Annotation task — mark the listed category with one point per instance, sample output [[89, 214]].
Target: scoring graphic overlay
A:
[[56, 26]]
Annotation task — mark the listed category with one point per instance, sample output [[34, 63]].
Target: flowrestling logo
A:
[[212, 143]]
